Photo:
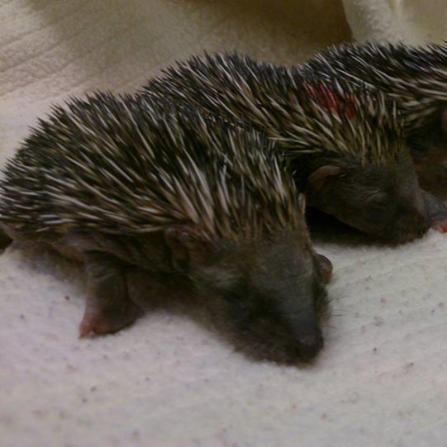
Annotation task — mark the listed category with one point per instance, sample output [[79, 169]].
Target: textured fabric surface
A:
[[167, 381], [51, 48], [412, 21]]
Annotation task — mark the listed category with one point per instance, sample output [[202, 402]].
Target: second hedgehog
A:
[[117, 183], [346, 143], [414, 77]]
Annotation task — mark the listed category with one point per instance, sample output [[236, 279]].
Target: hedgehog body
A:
[[144, 155], [118, 183], [414, 77], [346, 143]]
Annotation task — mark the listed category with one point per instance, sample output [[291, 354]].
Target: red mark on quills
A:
[[330, 100]]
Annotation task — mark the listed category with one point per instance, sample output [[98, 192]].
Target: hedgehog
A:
[[414, 77], [117, 182], [345, 143]]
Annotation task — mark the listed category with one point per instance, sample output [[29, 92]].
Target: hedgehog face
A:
[[428, 146], [268, 297], [381, 200]]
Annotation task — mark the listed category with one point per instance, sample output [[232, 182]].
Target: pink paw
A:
[[101, 322], [439, 225]]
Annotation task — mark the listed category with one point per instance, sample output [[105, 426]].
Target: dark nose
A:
[[407, 228], [415, 228], [309, 345], [417, 219]]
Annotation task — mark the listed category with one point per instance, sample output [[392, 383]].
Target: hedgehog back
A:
[[125, 166], [306, 114], [416, 77]]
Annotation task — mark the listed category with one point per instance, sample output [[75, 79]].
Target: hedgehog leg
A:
[[108, 308], [437, 212]]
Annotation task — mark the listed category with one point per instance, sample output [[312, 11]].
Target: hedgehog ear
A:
[[323, 175], [325, 266], [185, 244]]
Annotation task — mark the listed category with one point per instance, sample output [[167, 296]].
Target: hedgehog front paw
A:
[[108, 321], [439, 225]]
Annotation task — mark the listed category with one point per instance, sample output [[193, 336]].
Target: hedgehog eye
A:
[[235, 291], [379, 198], [231, 297], [379, 202], [376, 198]]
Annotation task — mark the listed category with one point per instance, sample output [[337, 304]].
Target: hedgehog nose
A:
[[411, 227], [418, 226], [309, 345], [419, 219]]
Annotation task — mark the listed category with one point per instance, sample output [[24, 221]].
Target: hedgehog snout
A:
[[413, 227], [309, 345], [405, 224], [307, 338]]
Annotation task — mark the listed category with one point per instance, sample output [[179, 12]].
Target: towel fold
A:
[[411, 21]]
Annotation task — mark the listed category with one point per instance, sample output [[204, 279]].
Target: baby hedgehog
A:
[[118, 183], [416, 78], [345, 143]]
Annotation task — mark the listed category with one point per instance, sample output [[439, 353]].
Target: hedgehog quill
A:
[[345, 143], [117, 182], [414, 77]]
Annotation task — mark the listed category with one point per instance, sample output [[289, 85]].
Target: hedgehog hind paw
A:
[[101, 322]]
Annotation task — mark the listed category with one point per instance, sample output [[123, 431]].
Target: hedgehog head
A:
[[363, 174], [390, 207], [266, 295], [248, 251]]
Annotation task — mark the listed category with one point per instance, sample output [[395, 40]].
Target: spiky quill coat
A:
[[121, 165], [306, 116], [415, 77]]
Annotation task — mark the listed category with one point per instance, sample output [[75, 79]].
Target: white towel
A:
[[166, 382], [411, 21]]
